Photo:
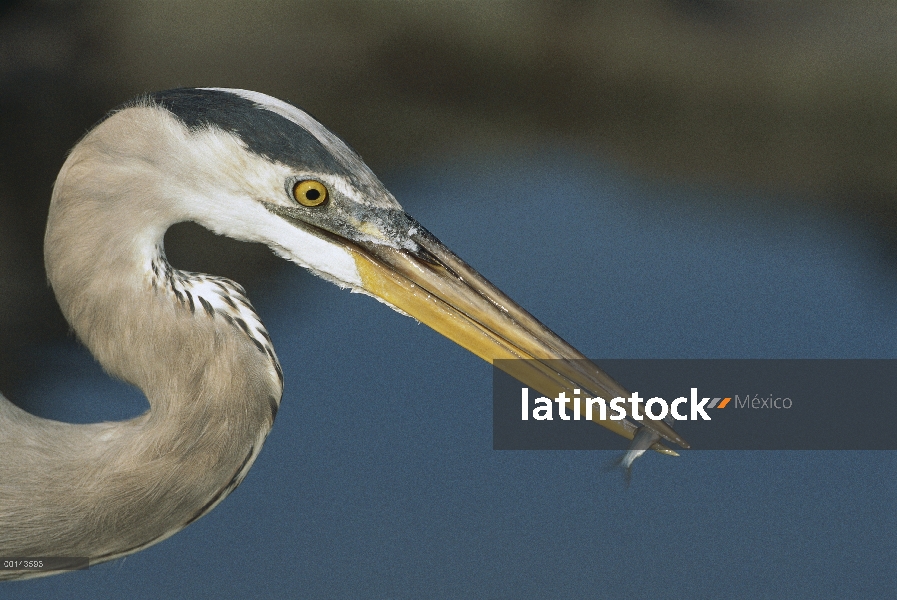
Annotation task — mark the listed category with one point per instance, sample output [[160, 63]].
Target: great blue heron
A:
[[253, 168]]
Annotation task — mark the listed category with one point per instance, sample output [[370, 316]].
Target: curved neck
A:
[[213, 384]]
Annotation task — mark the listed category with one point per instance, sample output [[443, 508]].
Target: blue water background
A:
[[379, 479]]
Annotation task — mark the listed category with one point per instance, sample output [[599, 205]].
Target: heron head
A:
[[255, 168]]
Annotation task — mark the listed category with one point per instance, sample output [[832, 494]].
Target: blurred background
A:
[[761, 132], [756, 94]]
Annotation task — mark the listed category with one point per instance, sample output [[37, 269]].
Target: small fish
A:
[[644, 439]]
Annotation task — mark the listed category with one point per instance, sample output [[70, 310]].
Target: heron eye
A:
[[310, 192]]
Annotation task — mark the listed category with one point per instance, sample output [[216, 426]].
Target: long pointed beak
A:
[[440, 290]]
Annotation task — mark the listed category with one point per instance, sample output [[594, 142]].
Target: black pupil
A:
[[312, 194]]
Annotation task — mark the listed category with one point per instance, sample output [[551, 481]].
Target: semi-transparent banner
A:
[[714, 404]]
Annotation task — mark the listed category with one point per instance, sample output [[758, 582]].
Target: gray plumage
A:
[[229, 160], [191, 342]]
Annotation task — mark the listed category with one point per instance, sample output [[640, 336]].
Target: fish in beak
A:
[[424, 279]]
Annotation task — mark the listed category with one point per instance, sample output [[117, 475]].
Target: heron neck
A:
[[106, 490]]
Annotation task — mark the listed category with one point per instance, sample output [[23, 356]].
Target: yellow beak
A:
[[440, 290]]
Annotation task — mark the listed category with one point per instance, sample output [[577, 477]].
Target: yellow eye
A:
[[310, 192]]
